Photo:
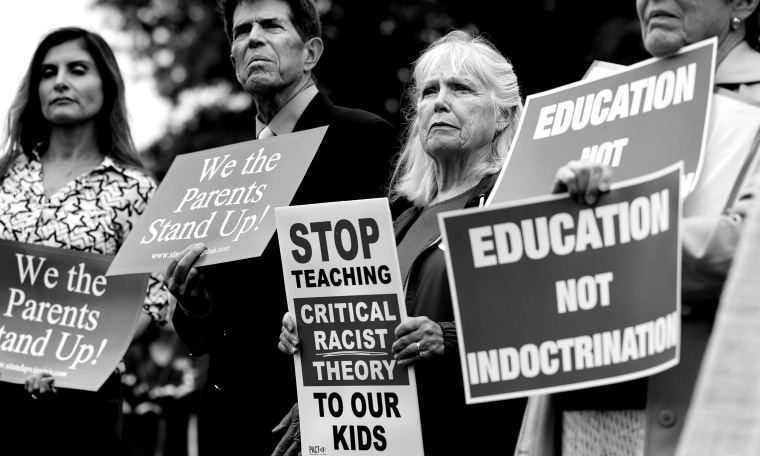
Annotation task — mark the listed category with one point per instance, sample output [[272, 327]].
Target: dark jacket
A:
[[449, 426], [248, 376]]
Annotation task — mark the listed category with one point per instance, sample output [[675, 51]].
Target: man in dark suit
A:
[[233, 311]]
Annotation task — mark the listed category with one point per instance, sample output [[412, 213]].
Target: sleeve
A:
[[450, 340], [156, 303], [194, 330], [157, 299], [709, 244]]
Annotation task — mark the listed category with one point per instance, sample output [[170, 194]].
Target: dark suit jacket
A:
[[248, 375]]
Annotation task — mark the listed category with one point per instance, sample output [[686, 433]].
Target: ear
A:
[[744, 8], [312, 51]]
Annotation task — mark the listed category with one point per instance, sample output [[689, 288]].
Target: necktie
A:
[[266, 133]]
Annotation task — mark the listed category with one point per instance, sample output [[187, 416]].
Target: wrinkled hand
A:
[[41, 383], [288, 338], [290, 444], [584, 179], [186, 282], [417, 338]]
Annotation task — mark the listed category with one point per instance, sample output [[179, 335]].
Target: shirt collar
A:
[[741, 65], [285, 120]]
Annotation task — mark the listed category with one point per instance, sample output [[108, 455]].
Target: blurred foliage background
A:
[[369, 48]]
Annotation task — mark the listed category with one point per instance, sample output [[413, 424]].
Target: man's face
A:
[[267, 51]]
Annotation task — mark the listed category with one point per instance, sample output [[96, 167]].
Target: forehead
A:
[[447, 70], [261, 9], [67, 52]]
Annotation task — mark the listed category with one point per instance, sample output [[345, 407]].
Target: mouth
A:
[[61, 100], [435, 125], [257, 59], [659, 14]]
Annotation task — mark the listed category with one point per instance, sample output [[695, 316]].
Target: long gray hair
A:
[[414, 176]]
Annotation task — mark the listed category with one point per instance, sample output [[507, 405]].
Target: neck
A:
[[453, 179], [73, 143], [269, 104], [727, 44]]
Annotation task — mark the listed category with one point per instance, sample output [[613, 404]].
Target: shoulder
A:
[[359, 125], [356, 115], [344, 115], [128, 174], [405, 219], [139, 176], [127, 182]]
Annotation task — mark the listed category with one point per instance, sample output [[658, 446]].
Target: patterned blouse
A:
[[92, 213]]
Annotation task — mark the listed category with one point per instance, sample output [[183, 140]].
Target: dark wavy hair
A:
[[26, 126], [305, 17]]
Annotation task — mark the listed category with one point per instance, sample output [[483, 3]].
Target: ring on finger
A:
[[418, 347]]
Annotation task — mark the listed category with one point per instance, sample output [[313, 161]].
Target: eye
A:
[[271, 24], [240, 31], [463, 88], [48, 72], [428, 91], [78, 69]]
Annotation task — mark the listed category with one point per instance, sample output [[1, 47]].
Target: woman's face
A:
[[668, 25], [456, 113], [70, 90]]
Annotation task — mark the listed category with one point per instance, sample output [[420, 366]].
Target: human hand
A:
[[290, 444], [40, 383], [417, 338], [288, 338], [186, 282], [584, 180]]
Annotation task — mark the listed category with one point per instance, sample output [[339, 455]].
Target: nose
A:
[[255, 38], [442, 100], [61, 81]]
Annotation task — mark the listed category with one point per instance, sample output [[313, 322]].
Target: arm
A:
[[193, 316], [709, 244]]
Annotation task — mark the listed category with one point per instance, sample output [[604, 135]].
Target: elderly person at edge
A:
[[465, 111], [645, 417]]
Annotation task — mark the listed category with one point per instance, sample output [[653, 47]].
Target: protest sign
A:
[[60, 314], [550, 295], [636, 119], [600, 69], [222, 197], [344, 290]]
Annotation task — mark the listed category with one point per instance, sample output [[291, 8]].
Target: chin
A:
[[661, 44], [259, 85]]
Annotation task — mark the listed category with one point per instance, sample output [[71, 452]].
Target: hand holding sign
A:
[[585, 180], [186, 282], [417, 338], [288, 338]]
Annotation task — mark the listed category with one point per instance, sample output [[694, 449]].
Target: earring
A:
[[735, 22]]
